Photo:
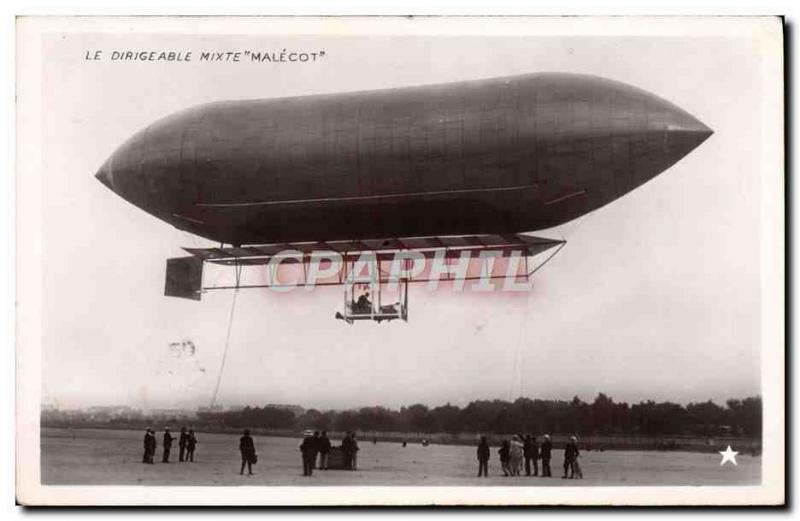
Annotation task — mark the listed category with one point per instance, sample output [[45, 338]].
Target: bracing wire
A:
[[522, 351], [518, 367], [227, 344], [513, 378]]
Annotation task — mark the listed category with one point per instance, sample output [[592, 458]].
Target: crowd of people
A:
[[314, 450], [187, 442], [517, 455], [316, 444], [525, 452]]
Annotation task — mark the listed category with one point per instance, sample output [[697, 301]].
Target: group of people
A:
[[313, 444], [187, 442], [517, 454], [316, 443], [526, 451]]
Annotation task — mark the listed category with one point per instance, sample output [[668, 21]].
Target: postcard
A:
[[400, 261]]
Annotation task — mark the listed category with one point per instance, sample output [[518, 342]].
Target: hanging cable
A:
[[524, 338], [227, 343], [518, 370]]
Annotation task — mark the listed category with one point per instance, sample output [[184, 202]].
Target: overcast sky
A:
[[655, 296]]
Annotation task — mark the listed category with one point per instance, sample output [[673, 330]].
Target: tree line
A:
[[603, 416]]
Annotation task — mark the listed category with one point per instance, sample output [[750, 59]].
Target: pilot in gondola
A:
[[363, 304]]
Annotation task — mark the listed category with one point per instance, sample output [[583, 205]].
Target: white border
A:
[[29, 208]]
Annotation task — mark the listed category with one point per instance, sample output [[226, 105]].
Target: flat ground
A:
[[113, 457]]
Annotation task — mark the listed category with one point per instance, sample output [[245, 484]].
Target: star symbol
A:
[[728, 455]]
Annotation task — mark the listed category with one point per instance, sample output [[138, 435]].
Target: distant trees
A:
[[263, 417], [746, 415], [603, 416], [415, 418]]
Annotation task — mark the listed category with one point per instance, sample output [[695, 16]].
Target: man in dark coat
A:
[[363, 305], [308, 449], [182, 441], [153, 446], [167, 444], [191, 444], [483, 457], [544, 452], [324, 450], [570, 456], [531, 450], [248, 450], [347, 451], [149, 446], [353, 451], [146, 445], [317, 443], [505, 456]]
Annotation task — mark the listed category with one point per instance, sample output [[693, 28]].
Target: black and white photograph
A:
[[400, 261]]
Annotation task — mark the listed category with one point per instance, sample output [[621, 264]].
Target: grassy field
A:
[[108, 457]]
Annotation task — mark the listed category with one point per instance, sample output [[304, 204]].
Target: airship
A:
[[477, 164]]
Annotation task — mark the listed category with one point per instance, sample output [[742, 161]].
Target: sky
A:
[[655, 296]]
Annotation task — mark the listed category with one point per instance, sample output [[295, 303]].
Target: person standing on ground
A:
[[516, 455], [191, 443], [149, 446], [182, 440], [355, 449], [248, 450], [167, 444], [526, 450], [544, 452], [505, 456], [153, 447], [317, 444], [570, 456], [347, 451], [483, 458], [534, 449], [324, 450], [308, 450], [146, 445]]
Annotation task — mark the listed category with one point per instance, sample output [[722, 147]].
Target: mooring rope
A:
[[518, 365], [227, 344]]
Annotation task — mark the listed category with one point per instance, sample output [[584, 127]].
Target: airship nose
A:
[[677, 123], [683, 122], [683, 134], [104, 175], [702, 130]]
